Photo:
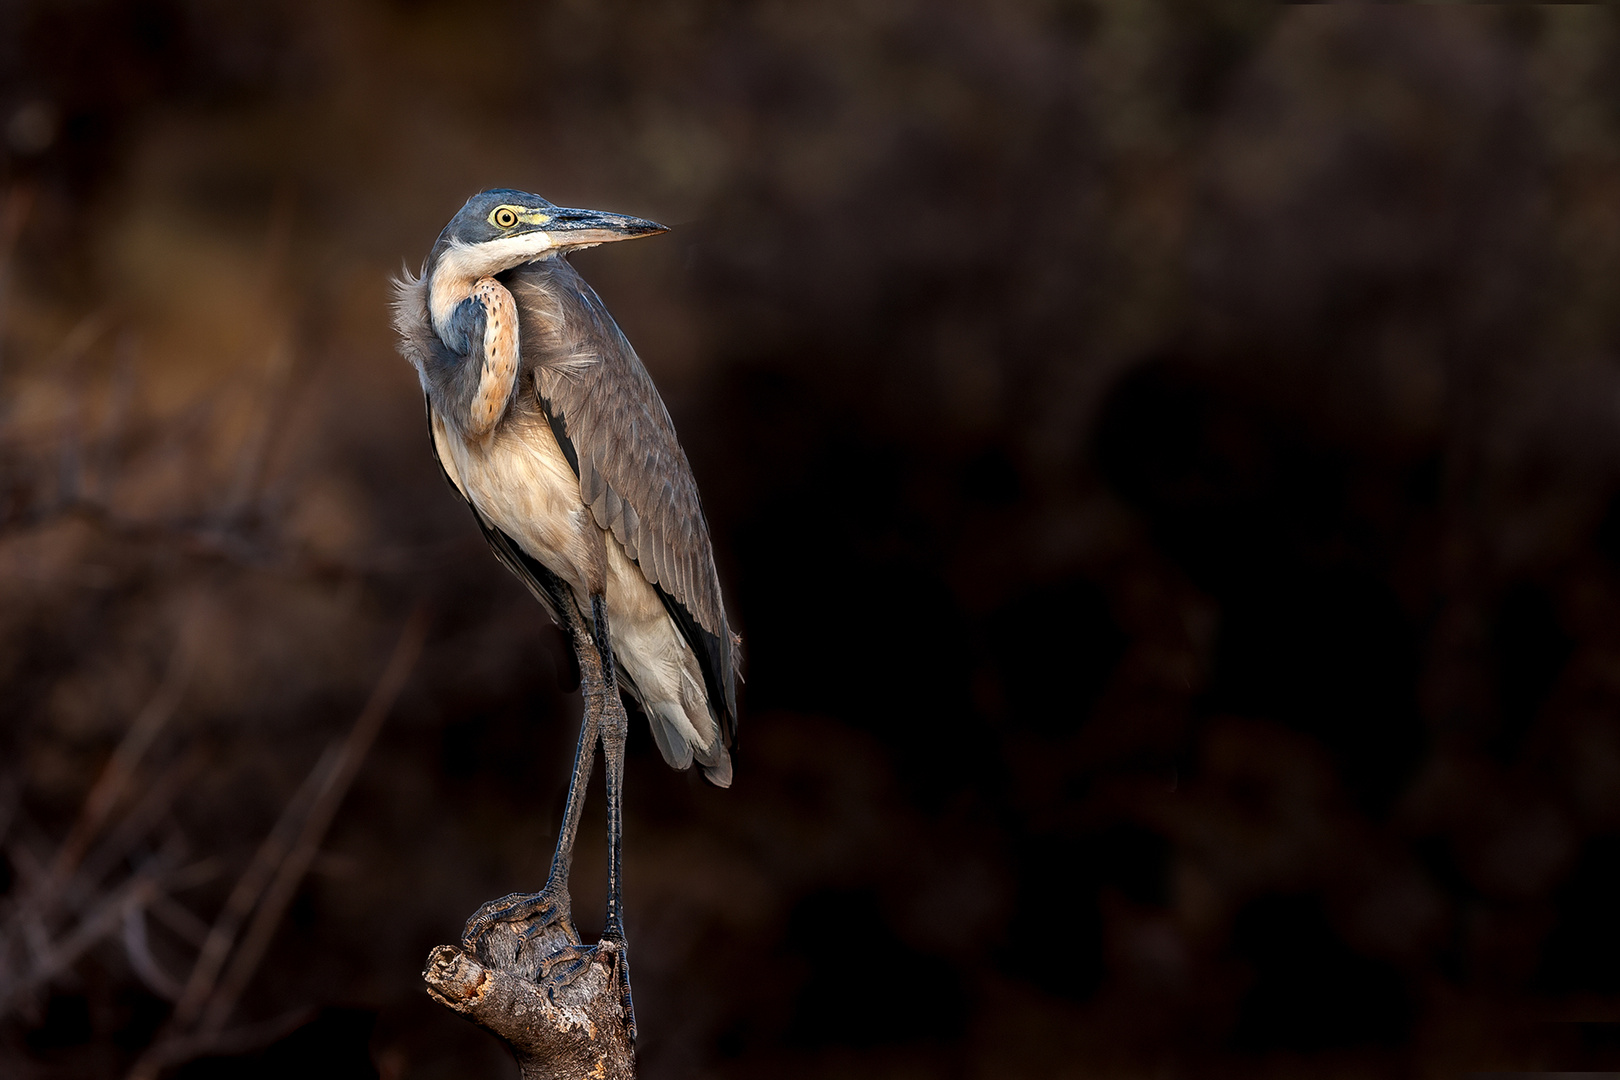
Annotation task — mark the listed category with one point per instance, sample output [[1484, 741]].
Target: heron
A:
[[543, 418]]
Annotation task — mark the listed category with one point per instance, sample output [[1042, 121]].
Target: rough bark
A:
[[563, 1024]]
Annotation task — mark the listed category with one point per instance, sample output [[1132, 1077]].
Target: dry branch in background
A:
[[62, 908], [36, 942], [226, 961]]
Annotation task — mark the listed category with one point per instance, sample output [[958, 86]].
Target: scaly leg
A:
[[551, 906], [615, 728]]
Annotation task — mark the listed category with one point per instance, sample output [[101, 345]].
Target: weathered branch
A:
[[561, 1028]]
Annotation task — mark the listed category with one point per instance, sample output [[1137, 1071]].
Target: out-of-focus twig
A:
[[133, 826], [100, 922], [30, 920], [179, 919], [271, 880], [328, 797], [240, 1039], [30, 952], [115, 777], [245, 897], [24, 924], [139, 952]]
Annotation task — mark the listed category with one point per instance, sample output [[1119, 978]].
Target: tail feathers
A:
[[718, 772], [667, 734], [670, 727]]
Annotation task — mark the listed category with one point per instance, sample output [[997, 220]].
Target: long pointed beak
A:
[[569, 228]]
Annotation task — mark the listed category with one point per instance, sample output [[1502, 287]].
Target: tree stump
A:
[[567, 1024]]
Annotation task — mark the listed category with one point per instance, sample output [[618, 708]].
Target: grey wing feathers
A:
[[632, 471]]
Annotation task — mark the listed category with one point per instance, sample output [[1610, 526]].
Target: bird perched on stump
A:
[[543, 418]]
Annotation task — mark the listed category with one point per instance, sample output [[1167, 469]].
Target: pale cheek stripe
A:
[[500, 356], [464, 263]]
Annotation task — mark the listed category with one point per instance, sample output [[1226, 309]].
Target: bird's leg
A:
[[615, 728], [551, 906]]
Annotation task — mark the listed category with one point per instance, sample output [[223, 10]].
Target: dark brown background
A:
[[1162, 458]]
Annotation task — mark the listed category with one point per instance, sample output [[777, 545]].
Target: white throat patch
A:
[[463, 264]]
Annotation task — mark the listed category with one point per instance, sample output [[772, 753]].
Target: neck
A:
[[460, 266]]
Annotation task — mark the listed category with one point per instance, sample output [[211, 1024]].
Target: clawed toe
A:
[[576, 958], [565, 966], [622, 968], [534, 911]]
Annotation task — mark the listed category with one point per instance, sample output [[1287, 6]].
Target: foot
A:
[[520, 927], [628, 1007], [563, 968]]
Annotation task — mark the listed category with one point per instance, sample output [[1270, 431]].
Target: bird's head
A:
[[502, 228]]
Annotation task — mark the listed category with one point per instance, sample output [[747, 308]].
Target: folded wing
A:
[[633, 474]]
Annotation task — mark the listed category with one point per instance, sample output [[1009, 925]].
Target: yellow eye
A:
[[504, 217]]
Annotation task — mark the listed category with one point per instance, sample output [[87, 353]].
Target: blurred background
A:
[[1162, 458]]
